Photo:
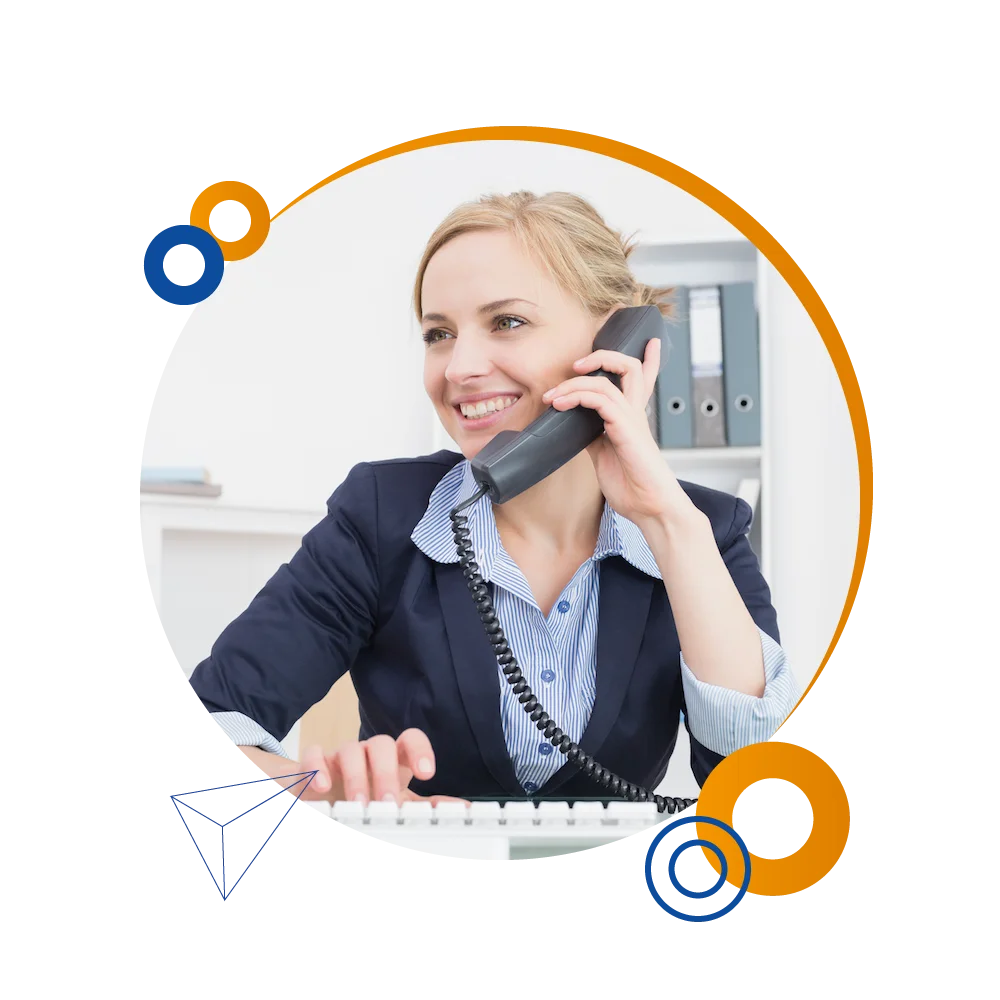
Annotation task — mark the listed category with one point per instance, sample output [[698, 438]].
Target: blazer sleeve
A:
[[722, 720], [306, 626]]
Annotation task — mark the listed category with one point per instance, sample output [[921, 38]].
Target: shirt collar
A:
[[617, 536]]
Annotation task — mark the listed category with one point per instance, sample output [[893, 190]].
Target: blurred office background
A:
[[308, 359]]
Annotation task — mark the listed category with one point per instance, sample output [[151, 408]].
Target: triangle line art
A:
[[268, 799], [201, 853], [262, 846], [238, 784], [307, 776]]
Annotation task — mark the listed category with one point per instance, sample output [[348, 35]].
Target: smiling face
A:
[[499, 333]]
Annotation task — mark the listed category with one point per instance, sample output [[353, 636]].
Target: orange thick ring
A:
[[260, 219], [814, 777]]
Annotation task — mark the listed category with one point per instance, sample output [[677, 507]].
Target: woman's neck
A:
[[558, 512]]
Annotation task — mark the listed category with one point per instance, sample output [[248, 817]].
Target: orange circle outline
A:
[[817, 781], [251, 200], [754, 232]]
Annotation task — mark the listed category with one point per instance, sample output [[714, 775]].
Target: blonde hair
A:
[[565, 234]]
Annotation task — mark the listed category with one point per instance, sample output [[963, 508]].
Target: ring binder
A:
[[741, 375], [707, 367], [673, 385]]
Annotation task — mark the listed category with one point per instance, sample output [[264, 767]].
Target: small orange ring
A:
[[207, 201]]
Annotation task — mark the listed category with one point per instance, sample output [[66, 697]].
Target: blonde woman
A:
[[628, 597]]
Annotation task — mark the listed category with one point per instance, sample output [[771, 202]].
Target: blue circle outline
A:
[[711, 822], [175, 236], [672, 868]]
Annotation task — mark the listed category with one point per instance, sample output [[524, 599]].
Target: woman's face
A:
[[499, 333]]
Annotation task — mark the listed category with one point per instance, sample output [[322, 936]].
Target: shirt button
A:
[[545, 749], [548, 676], [563, 607], [530, 786]]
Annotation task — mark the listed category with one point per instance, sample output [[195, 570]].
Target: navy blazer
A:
[[359, 595]]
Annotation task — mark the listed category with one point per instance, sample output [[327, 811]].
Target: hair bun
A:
[[661, 297]]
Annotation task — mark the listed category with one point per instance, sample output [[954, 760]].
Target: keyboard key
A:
[[349, 812], [416, 813], [553, 812], [382, 813], [485, 813], [519, 813], [587, 813], [451, 813], [638, 813]]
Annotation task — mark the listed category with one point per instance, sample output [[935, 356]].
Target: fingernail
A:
[[545, 395], [424, 765], [388, 797], [360, 797]]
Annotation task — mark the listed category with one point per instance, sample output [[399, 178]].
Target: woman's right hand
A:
[[374, 770]]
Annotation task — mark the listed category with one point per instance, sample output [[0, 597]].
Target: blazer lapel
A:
[[624, 610], [477, 674]]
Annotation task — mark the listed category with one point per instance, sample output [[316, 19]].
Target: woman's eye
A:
[[504, 322], [433, 336]]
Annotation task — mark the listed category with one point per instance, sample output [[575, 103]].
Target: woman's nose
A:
[[469, 358]]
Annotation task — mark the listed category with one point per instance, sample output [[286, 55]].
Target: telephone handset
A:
[[514, 461], [511, 463]]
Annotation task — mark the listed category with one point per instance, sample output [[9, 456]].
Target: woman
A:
[[627, 596]]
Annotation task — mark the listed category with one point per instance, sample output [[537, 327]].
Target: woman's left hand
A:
[[633, 475]]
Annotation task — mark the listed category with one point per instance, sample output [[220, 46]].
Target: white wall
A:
[[307, 359], [811, 514]]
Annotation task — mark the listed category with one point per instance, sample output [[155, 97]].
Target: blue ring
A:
[[175, 236], [715, 849], [711, 822]]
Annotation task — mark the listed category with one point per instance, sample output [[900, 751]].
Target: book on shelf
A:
[[182, 480], [174, 474], [182, 489]]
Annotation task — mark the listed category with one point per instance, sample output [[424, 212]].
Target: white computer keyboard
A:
[[515, 829]]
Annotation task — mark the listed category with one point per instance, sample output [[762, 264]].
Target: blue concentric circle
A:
[[716, 850], [175, 236], [673, 861]]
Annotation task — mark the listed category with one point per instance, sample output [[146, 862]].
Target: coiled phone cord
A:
[[511, 670]]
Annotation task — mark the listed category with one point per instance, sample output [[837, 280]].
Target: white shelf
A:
[[173, 512], [711, 456]]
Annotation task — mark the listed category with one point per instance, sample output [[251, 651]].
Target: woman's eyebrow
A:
[[486, 308], [500, 303]]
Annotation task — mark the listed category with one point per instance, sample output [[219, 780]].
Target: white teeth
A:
[[486, 406]]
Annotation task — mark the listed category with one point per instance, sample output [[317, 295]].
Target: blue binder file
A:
[[741, 364], [673, 386]]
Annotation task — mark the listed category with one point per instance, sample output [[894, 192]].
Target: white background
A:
[[308, 358]]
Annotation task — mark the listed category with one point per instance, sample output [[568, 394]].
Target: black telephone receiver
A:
[[513, 462]]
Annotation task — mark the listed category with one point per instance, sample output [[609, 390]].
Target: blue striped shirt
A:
[[558, 653]]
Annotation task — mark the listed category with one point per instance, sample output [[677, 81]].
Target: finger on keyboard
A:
[[353, 766], [383, 766], [313, 760], [414, 750]]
